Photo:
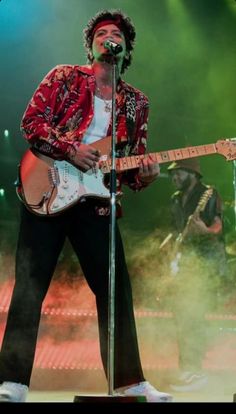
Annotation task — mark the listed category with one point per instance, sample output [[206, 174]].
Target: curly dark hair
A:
[[126, 26]]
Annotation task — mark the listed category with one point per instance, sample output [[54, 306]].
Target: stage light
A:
[[2, 192], [6, 133]]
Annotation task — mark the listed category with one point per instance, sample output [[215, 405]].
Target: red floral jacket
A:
[[62, 109]]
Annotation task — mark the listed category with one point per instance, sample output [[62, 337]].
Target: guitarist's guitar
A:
[[176, 253], [48, 187]]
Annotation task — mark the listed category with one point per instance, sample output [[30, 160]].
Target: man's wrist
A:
[[71, 153]]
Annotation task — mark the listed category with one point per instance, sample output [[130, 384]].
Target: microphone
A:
[[113, 47]]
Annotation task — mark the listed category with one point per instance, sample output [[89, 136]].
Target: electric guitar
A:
[[176, 252], [48, 187]]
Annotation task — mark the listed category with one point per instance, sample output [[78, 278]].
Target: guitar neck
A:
[[184, 153], [131, 162]]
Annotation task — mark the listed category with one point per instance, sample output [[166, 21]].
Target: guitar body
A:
[[47, 187]]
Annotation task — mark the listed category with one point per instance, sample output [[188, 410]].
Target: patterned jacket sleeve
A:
[[38, 124]]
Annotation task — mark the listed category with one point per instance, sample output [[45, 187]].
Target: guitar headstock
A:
[[227, 148]]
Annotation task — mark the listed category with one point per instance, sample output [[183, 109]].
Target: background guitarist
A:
[[69, 111], [197, 215]]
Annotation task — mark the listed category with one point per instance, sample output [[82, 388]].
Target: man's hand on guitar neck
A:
[[83, 156], [197, 226], [148, 169]]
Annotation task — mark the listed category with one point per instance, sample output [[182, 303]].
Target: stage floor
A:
[[68, 396], [221, 386]]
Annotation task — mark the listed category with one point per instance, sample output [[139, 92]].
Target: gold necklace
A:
[[107, 102]]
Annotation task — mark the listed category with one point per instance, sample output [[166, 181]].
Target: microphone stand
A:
[[111, 398], [112, 254], [112, 240]]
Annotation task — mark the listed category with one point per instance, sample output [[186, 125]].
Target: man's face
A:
[[181, 179], [107, 32]]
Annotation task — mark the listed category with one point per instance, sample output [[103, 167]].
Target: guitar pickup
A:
[[53, 176]]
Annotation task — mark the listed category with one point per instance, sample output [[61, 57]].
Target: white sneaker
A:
[[13, 392], [147, 390], [189, 381]]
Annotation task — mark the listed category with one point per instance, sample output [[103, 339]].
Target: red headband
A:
[[106, 22]]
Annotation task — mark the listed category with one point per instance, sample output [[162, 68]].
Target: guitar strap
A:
[[130, 110], [203, 200]]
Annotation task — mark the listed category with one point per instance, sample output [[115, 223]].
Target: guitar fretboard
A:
[[128, 163]]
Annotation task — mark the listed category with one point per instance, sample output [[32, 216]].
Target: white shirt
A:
[[100, 122]]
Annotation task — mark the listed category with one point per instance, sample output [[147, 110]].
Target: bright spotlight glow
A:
[[232, 5]]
